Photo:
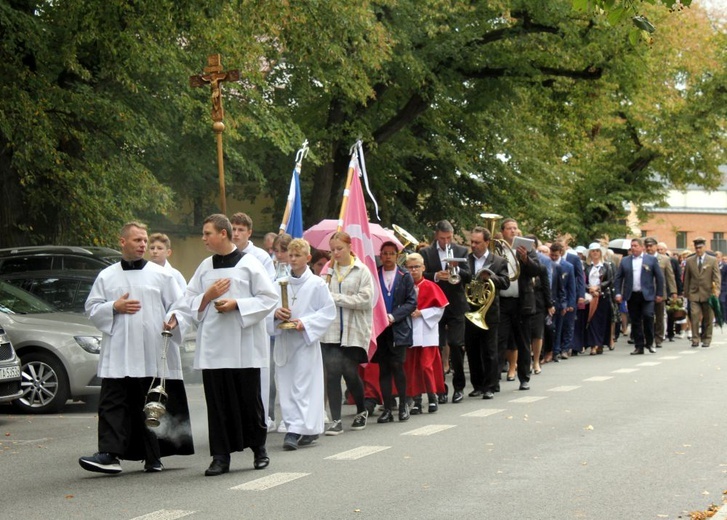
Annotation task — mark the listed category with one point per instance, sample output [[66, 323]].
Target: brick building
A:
[[689, 214]]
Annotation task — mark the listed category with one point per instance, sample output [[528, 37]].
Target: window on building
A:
[[681, 239], [718, 242]]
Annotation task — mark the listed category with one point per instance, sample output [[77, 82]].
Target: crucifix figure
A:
[[214, 76]]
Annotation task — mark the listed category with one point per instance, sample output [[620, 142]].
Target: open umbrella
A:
[[320, 234], [620, 245]]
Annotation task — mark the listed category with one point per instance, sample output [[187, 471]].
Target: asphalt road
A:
[[597, 437]]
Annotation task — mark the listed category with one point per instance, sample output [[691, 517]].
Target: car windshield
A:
[[17, 301]]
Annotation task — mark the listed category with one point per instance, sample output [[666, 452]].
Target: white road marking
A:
[[276, 479], [669, 357], [485, 412], [357, 453], [429, 430], [531, 399], [165, 514], [599, 378], [649, 363], [689, 351], [625, 370], [563, 388]]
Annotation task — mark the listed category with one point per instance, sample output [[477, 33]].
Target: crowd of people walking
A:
[[289, 323]]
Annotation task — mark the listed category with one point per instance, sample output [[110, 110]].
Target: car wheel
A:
[[44, 383]]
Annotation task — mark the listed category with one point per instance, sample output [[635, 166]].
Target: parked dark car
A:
[[56, 258], [9, 370], [66, 290]]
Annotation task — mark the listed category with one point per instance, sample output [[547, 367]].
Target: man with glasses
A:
[[701, 280]]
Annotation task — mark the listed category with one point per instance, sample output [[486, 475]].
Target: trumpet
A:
[[454, 277], [479, 293], [500, 247]]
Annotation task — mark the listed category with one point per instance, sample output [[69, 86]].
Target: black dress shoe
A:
[[651, 349], [217, 468], [488, 395], [442, 398], [556, 358], [511, 378], [475, 393], [433, 407], [262, 460], [637, 352], [524, 385], [416, 409], [386, 416], [404, 413], [631, 342], [457, 396]]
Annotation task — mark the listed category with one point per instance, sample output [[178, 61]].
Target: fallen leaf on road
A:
[[69, 496], [589, 427]]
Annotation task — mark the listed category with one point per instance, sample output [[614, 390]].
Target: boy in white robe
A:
[[230, 296], [297, 354], [130, 304], [160, 249]]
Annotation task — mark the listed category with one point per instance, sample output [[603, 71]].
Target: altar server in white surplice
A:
[[297, 354], [130, 304], [229, 296]]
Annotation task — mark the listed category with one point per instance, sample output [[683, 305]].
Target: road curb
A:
[[721, 513]]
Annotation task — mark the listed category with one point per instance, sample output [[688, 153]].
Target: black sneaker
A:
[[101, 463], [153, 466], [359, 421], [335, 429], [290, 443], [417, 408], [307, 440]]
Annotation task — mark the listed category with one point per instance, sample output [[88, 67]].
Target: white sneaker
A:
[[282, 428], [271, 426]]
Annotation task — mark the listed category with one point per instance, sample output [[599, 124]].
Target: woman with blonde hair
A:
[[345, 344]]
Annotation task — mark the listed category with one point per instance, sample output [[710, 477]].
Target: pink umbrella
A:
[[319, 235]]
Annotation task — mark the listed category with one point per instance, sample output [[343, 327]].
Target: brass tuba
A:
[[500, 247], [479, 293], [407, 239]]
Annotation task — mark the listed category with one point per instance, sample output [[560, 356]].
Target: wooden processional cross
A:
[[214, 76]]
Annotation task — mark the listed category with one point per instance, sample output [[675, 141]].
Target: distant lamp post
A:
[[214, 76]]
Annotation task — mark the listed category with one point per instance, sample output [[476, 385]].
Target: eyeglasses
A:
[[410, 267]]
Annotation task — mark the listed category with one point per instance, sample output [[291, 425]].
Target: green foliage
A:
[[554, 115]]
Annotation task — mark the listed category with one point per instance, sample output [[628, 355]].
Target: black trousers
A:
[[481, 346], [451, 331], [514, 330], [235, 413], [121, 420], [641, 313]]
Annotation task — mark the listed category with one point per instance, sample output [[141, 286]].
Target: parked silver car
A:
[[58, 351], [9, 370]]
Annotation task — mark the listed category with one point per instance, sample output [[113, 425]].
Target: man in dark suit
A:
[[517, 306], [640, 282], [573, 337], [723, 287], [451, 326], [481, 344], [564, 310]]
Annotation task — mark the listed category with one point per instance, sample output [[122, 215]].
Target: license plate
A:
[[9, 373]]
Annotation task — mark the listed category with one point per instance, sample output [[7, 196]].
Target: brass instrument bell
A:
[[479, 293], [500, 247]]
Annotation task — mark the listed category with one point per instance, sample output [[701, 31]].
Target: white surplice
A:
[[236, 339], [297, 354], [132, 344]]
